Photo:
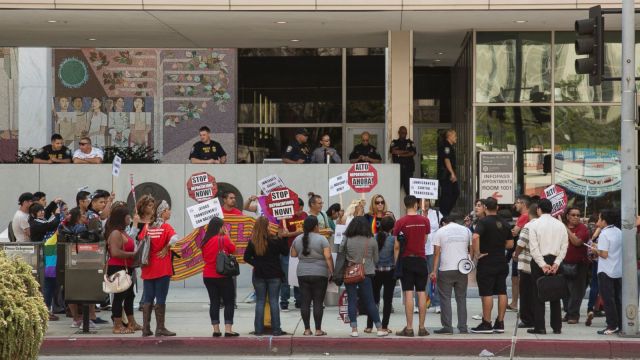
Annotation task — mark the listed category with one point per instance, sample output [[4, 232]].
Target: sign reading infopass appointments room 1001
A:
[[497, 176]]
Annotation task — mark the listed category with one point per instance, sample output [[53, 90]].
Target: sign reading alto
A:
[[202, 187], [558, 198], [363, 177], [282, 203], [497, 176]]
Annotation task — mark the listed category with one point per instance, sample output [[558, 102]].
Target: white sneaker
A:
[[416, 310], [76, 324], [437, 310], [382, 333], [477, 317], [354, 334]]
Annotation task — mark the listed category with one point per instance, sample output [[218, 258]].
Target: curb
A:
[[330, 346]]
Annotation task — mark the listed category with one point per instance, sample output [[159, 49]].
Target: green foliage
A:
[[131, 154], [23, 314], [26, 157]]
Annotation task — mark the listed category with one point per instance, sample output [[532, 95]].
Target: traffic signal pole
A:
[[628, 162]]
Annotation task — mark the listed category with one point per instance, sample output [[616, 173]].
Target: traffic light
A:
[[590, 41]]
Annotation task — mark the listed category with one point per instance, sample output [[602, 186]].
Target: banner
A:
[[423, 188], [190, 261]]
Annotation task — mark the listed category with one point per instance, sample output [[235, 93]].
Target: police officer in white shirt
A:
[[452, 244]]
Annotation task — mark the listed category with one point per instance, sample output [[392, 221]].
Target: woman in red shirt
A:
[[216, 240], [576, 257], [157, 274], [121, 253]]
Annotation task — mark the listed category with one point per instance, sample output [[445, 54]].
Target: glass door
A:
[[426, 138], [376, 138]]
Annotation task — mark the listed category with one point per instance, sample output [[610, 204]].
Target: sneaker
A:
[[484, 328], [76, 324], [434, 309], [382, 333], [589, 318], [498, 327], [53, 317], [477, 317], [608, 331], [93, 326], [354, 334], [251, 298], [100, 321], [443, 331], [416, 310]]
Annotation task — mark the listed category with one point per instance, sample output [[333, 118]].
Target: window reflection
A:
[[366, 85], [587, 155], [513, 67], [525, 131]]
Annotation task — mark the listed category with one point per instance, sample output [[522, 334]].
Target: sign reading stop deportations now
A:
[[363, 177], [497, 176], [202, 187], [282, 203]]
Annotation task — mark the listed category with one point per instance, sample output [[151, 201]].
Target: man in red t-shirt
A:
[[229, 204], [414, 229], [294, 228], [522, 207]]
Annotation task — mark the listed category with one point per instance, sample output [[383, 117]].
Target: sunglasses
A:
[[380, 202]]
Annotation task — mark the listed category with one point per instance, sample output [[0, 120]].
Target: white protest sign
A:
[[117, 162], [202, 213], [337, 236], [338, 184], [84, 188], [292, 277], [332, 287], [423, 188], [269, 183]]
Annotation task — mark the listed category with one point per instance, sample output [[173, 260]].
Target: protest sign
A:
[[497, 176], [202, 187], [558, 198], [338, 184], [292, 274], [282, 203], [269, 183], [337, 237], [201, 214], [117, 162], [363, 177], [423, 188], [190, 260]]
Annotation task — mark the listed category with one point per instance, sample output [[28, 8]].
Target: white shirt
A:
[[610, 240], [95, 153], [453, 240], [20, 224], [434, 217], [548, 236]]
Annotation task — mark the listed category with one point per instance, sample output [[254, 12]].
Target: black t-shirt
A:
[[211, 151], [368, 150], [494, 233], [296, 151], [47, 153], [406, 145], [445, 151]]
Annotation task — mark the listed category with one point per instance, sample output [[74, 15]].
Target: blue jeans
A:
[[364, 289], [156, 289], [48, 291], [285, 289], [264, 287]]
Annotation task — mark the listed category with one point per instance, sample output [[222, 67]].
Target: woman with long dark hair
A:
[[263, 253], [121, 249], [314, 270], [384, 272], [215, 240], [359, 247]]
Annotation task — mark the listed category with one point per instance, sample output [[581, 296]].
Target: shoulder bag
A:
[[354, 272], [143, 248], [226, 264], [116, 283]]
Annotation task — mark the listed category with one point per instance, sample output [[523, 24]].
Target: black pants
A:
[[383, 279], [526, 298], [405, 175], [450, 191], [538, 305], [220, 288], [312, 288], [124, 299], [611, 292], [577, 287]]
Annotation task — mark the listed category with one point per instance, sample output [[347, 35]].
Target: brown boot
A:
[[146, 320], [160, 329], [132, 324]]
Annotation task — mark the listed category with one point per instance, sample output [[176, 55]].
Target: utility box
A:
[[31, 253], [84, 271]]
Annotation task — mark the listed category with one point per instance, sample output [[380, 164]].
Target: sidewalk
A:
[[187, 314]]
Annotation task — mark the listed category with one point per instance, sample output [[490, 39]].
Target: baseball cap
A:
[[302, 131], [25, 197]]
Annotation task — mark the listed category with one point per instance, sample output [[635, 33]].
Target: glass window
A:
[[525, 131], [431, 95], [290, 87], [365, 85], [513, 67], [587, 155]]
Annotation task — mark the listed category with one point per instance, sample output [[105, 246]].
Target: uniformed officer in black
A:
[[298, 151], [449, 186], [402, 152], [365, 152], [207, 151], [55, 153]]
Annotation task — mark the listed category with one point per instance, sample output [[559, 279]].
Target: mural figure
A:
[[65, 122], [119, 124], [140, 123], [97, 123], [81, 124]]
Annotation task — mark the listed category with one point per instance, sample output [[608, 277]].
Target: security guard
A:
[[298, 151], [449, 186], [56, 153], [402, 151], [207, 151], [365, 152]]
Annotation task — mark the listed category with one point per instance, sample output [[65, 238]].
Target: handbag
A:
[[143, 248], [552, 288], [226, 264], [570, 271], [354, 272], [116, 283]]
